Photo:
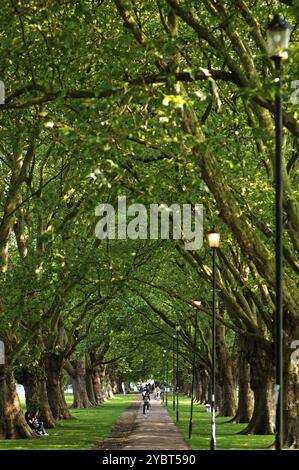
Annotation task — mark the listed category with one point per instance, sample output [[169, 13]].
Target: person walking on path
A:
[[146, 402], [160, 432]]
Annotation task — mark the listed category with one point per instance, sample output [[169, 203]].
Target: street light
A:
[[162, 390], [177, 372], [214, 243], [214, 238], [278, 36], [197, 304], [174, 375], [166, 377], [165, 395]]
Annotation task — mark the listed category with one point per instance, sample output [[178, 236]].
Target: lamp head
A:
[[214, 238], [278, 37]]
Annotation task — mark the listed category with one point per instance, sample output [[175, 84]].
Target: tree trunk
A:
[[90, 388], [97, 386], [119, 386], [12, 420], [108, 392], [197, 386], [116, 385], [291, 403], [186, 390], [36, 395], [245, 401], [102, 384], [219, 399], [261, 382], [55, 387], [204, 384], [78, 378], [245, 395], [227, 404]]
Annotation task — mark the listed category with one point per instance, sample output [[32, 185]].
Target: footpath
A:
[[134, 431]]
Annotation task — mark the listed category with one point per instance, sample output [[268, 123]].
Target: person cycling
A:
[[146, 401]]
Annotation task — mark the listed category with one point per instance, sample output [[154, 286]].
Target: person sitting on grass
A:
[[35, 424]]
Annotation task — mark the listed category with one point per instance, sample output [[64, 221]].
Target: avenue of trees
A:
[[161, 101]]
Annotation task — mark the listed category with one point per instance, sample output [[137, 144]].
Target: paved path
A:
[[156, 431]]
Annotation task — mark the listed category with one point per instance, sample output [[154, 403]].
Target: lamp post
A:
[[214, 242], [166, 377], [164, 374], [174, 376], [196, 304], [177, 372], [278, 36], [165, 396]]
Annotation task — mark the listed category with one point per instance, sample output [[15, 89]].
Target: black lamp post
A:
[[214, 242], [165, 395], [177, 372], [164, 375], [278, 36], [196, 304], [174, 376], [166, 379]]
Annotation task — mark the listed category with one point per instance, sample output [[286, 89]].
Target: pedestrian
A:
[[208, 407], [146, 402]]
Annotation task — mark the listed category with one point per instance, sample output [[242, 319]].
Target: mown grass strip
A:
[[81, 433], [226, 433]]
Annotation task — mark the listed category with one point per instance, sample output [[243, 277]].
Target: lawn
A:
[[88, 426], [226, 434]]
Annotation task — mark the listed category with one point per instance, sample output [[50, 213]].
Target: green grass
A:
[[226, 433], [89, 426]]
